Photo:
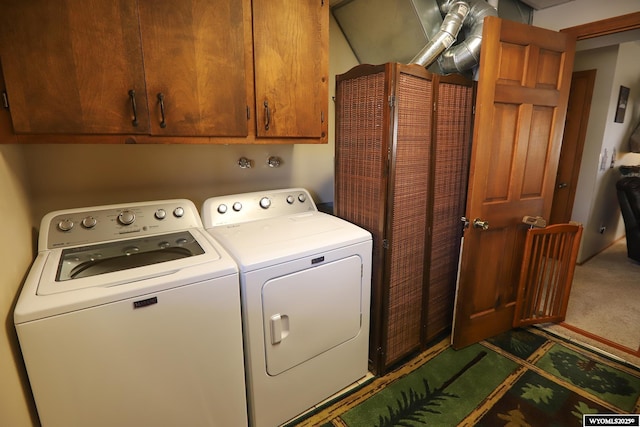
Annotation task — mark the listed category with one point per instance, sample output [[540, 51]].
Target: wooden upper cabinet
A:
[[291, 68], [224, 71], [69, 66], [194, 60]]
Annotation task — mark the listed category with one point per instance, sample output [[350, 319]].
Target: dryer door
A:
[[311, 311]]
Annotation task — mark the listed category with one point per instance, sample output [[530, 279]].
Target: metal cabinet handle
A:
[[163, 123], [132, 95], [478, 223], [5, 100], [267, 115]]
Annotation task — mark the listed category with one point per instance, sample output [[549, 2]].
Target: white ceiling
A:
[[543, 4]]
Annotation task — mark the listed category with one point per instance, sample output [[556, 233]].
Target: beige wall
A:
[[16, 253]]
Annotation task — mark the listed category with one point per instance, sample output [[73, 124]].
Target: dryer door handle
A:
[[279, 328]]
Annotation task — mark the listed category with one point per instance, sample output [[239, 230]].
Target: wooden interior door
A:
[[575, 132], [523, 89]]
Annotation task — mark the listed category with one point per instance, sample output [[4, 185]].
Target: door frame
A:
[[572, 146], [604, 27]]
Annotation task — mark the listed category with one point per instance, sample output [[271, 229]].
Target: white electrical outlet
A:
[[604, 160]]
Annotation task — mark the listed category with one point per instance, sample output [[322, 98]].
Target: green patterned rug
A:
[[524, 377]]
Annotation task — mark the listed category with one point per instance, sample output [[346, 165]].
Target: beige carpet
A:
[[605, 301]]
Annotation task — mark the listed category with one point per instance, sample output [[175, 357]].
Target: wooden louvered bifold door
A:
[[547, 272], [408, 214], [382, 171], [401, 166], [450, 174]]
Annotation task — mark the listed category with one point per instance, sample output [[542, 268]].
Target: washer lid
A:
[[125, 261], [87, 261]]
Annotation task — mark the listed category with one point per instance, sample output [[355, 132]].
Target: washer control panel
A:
[[81, 226], [244, 207]]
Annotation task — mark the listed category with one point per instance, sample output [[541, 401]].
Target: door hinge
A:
[[465, 223], [385, 244], [248, 113], [321, 116], [5, 99], [392, 101]]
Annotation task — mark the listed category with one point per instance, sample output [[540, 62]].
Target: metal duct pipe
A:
[[466, 55], [445, 37]]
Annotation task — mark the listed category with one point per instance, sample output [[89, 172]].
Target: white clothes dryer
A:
[[305, 280], [129, 317]]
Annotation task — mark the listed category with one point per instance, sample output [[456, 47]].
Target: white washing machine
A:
[[129, 317], [305, 280]]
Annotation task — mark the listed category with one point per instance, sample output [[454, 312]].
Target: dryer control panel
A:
[[73, 227], [244, 207]]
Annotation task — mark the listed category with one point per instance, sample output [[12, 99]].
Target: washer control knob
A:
[[126, 217], [265, 202], [302, 197], [237, 206], [89, 222], [178, 212], [65, 225], [160, 214], [290, 199], [130, 250], [222, 208]]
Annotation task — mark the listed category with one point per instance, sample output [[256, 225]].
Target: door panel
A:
[[194, 57], [73, 67], [111, 364], [290, 64], [520, 109], [309, 312]]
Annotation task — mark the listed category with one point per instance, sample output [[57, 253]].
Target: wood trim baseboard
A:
[[602, 340]]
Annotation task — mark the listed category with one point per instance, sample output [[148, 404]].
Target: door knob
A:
[[478, 223], [562, 185]]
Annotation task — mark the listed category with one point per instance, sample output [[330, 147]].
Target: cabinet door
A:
[[6, 131], [291, 67], [194, 59], [69, 66]]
